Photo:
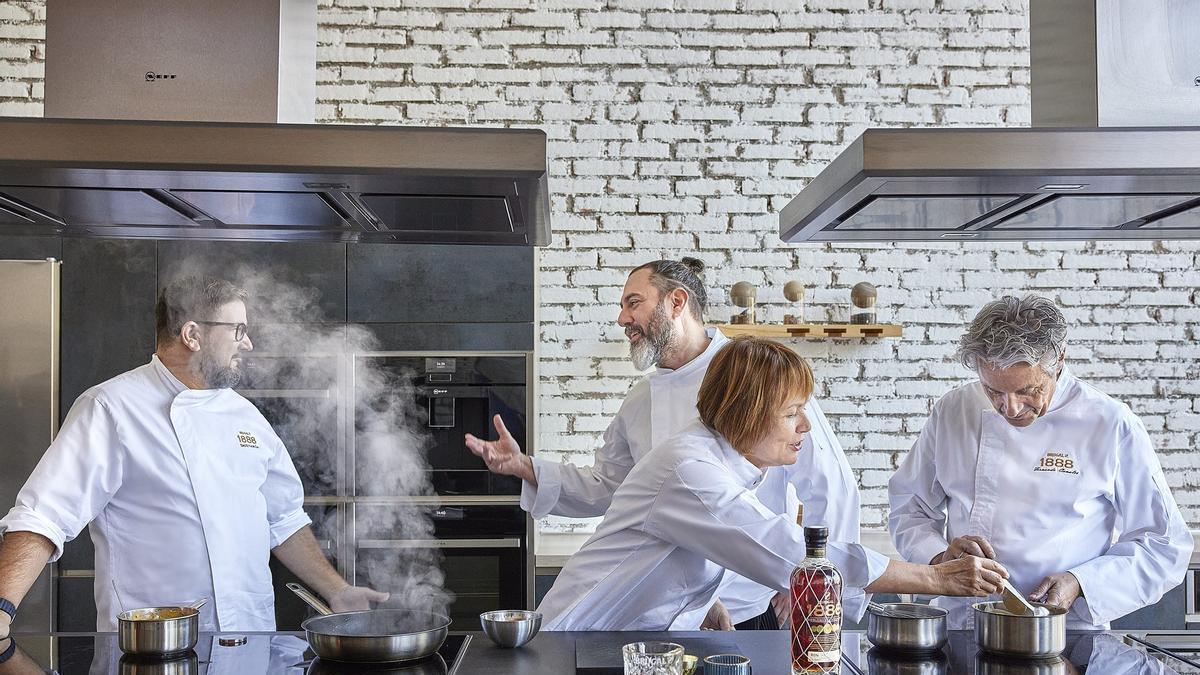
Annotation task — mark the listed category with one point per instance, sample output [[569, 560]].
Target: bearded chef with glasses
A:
[[1042, 472], [187, 490]]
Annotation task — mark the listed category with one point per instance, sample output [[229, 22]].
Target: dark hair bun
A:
[[694, 264]]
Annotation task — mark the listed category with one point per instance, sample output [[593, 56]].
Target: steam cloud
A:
[[294, 350]]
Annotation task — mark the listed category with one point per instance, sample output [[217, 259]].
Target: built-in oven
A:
[[329, 409], [482, 551], [451, 396]]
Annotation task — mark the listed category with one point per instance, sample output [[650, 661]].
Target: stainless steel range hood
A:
[[194, 180], [1095, 165], [164, 122]]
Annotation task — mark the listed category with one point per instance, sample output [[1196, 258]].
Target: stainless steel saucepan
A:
[[372, 636], [159, 631], [998, 631], [906, 627]]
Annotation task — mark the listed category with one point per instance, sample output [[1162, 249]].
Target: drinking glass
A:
[[653, 658], [727, 664]]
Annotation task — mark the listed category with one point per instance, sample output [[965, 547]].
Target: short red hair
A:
[[748, 382]]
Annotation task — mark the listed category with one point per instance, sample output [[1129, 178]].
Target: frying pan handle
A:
[[309, 598]]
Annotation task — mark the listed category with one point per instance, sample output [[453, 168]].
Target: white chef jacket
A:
[[186, 492], [659, 406], [685, 513], [1080, 490]]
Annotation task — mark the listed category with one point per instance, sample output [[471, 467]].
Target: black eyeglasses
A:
[[239, 329]]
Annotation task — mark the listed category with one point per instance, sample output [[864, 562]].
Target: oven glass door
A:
[[453, 469]]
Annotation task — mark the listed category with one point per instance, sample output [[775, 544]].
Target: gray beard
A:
[[656, 340], [217, 376]]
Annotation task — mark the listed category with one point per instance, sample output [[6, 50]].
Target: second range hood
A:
[[1112, 155], [275, 182], [1004, 184]]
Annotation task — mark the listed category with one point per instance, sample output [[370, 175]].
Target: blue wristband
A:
[[8, 653], [8, 608]]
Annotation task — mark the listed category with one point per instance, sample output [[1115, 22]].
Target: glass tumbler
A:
[[653, 658], [727, 664]]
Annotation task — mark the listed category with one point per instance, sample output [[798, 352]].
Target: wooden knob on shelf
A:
[[863, 295], [743, 293]]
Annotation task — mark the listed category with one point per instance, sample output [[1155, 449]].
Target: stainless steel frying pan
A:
[[372, 636]]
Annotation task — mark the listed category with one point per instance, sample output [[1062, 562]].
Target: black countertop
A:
[[555, 653]]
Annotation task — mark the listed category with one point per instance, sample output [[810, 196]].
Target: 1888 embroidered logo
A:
[[1059, 462], [247, 439]]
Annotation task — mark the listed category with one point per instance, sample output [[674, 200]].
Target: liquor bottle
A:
[[816, 609]]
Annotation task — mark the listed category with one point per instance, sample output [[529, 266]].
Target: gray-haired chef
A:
[[187, 490], [1036, 469]]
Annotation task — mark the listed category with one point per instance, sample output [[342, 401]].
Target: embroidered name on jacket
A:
[[247, 439], [1058, 462]]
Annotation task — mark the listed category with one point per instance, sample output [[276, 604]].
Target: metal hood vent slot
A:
[[238, 181], [430, 213]]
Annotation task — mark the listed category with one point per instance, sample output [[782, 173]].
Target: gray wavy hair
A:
[[1015, 330]]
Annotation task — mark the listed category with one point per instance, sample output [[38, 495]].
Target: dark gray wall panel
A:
[[417, 284], [76, 605], [435, 337], [287, 281], [30, 248], [543, 583], [1167, 614], [107, 311]]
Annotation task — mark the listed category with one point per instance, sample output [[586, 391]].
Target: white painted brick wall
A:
[[682, 126]]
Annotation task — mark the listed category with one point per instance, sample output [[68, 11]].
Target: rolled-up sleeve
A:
[[284, 495], [1151, 553], [703, 510], [917, 516], [577, 491], [74, 480]]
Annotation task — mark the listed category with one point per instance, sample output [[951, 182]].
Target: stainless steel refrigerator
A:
[[29, 339]]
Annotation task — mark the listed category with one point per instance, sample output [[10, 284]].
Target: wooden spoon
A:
[[1015, 602]]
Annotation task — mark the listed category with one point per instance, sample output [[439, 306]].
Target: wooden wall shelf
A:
[[822, 331]]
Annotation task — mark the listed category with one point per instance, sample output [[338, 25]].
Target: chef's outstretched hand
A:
[[968, 545], [717, 618], [355, 599], [970, 576], [1058, 590], [503, 455]]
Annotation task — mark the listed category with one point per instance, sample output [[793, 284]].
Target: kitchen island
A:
[[1106, 653]]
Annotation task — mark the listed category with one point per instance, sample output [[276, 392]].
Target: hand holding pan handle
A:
[[309, 598]]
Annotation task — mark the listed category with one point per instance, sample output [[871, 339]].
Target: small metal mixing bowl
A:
[[510, 627], [906, 627]]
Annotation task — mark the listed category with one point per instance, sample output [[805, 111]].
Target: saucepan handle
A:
[[309, 598]]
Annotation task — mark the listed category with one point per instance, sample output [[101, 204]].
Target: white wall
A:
[[682, 127]]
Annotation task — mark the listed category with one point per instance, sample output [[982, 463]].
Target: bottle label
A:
[[825, 626], [816, 620]]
